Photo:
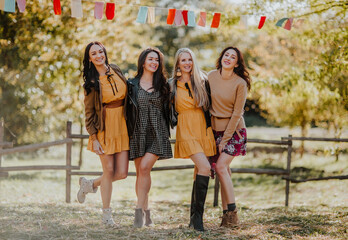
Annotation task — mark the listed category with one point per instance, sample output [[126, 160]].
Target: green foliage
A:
[[41, 59]]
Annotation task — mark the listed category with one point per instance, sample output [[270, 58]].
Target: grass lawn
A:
[[32, 203]]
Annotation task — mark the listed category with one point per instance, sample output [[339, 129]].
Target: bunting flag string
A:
[[281, 22], [110, 11], [2, 4], [178, 17], [142, 14], [191, 19], [202, 19], [21, 5], [98, 10], [151, 15], [10, 6], [288, 24], [147, 14], [262, 22], [184, 15], [76, 9], [216, 20], [56, 7], [171, 16]]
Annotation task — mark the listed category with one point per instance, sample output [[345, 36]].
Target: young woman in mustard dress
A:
[[105, 95], [194, 136]]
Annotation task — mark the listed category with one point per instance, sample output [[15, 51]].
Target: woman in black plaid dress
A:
[[148, 125]]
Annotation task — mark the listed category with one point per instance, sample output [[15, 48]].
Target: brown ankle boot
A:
[[224, 220], [231, 219]]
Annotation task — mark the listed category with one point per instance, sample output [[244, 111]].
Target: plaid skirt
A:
[[236, 146]]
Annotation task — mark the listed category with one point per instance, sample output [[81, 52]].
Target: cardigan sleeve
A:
[[237, 114], [90, 112]]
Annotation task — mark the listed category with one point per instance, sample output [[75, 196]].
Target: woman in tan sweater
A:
[[229, 86]]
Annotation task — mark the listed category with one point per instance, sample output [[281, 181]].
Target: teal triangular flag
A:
[[142, 15], [191, 19], [281, 21], [10, 6]]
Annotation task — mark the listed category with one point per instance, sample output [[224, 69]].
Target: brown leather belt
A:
[[113, 104], [222, 117]]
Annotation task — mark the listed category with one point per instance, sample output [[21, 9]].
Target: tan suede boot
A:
[[231, 219], [224, 220]]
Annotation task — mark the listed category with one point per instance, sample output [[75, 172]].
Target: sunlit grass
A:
[[32, 203]]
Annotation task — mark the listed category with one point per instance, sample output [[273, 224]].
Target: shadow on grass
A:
[[23, 176], [63, 221]]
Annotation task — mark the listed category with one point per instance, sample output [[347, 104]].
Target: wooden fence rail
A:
[[33, 147], [315, 139], [285, 173]]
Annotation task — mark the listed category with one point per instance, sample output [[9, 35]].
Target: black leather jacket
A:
[[132, 111], [207, 115]]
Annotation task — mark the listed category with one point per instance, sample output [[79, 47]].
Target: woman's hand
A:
[[220, 148], [97, 148]]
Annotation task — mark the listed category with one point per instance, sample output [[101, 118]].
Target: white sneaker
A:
[[107, 218]]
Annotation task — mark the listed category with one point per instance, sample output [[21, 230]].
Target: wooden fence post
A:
[[68, 163], [81, 145], [216, 191], [288, 170], [2, 124]]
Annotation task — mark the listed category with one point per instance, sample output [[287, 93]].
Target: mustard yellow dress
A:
[[114, 138], [192, 135]]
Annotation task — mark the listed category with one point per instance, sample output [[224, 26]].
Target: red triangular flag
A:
[[56, 7], [110, 11], [216, 20], [184, 14], [288, 24], [262, 22], [171, 16]]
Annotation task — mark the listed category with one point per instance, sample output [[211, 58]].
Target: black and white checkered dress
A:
[[151, 133]]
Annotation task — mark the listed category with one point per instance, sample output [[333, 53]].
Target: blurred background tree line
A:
[[299, 76]]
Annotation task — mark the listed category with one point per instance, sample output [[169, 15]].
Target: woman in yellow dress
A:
[[105, 95], [194, 136]]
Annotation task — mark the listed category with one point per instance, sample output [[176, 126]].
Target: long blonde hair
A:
[[198, 78]]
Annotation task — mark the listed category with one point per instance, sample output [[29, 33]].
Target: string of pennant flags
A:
[[175, 17]]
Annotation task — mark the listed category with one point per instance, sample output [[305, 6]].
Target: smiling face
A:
[[185, 62], [151, 62], [97, 55], [229, 59]]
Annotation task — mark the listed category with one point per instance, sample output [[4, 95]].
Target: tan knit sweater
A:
[[228, 100]]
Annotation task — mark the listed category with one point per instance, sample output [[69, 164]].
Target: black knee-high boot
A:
[[193, 203], [201, 188]]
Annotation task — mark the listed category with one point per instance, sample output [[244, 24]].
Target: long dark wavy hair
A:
[[90, 73], [159, 77], [241, 70]]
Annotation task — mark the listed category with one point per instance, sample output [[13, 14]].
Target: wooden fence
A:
[[75, 170]]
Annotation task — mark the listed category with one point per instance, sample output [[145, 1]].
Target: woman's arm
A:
[[237, 114], [90, 113]]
